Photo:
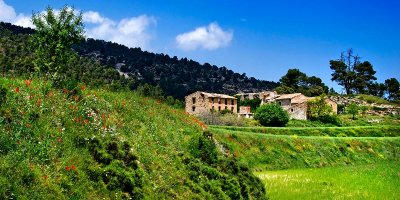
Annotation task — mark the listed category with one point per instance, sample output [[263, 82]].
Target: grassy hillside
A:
[[82, 143], [274, 152]]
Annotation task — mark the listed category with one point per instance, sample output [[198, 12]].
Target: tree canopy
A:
[[352, 74], [296, 81], [52, 42]]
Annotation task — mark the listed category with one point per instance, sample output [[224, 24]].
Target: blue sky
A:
[[260, 38]]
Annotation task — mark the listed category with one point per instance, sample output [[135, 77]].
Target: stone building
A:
[[245, 111], [200, 102], [295, 104]]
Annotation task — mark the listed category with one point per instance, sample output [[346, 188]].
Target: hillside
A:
[[83, 143], [176, 77]]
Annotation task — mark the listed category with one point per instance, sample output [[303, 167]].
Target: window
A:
[[232, 109], [212, 99], [226, 101], [194, 100], [194, 108], [280, 103], [219, 108], [291, 110], [233, 102], [226, 107]]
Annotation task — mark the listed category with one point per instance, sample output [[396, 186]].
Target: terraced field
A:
[[319, 163]]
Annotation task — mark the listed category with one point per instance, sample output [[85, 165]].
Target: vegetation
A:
[[296, 81], [353, 110], [54, 36], [368, 181], [359, 131], [271, 115], [93, 144], [271, 152], [253, 103]]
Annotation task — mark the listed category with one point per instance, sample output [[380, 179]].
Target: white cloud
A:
[[209, 38], [132, 32], [8, 14]]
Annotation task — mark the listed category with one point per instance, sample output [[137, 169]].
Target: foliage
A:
[[54, 36], [352, 74], [319, 110], [393, 88], [253, 103], [221, 178], [352, 109], [150, 91], [219, 118], [296, 81], [314, 130], [274, 152], [271, 115], [90, 143]]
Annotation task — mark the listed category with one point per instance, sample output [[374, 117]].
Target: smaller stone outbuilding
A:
[[201, 102], [245, 111]]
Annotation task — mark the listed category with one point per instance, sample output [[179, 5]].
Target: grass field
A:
[[372, 181]]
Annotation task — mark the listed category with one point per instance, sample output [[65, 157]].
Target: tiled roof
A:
[[288, 96], [224, 96]]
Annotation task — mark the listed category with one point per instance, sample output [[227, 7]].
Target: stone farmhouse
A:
[[295, 104], [200, 102]]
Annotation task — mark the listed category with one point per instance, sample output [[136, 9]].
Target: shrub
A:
[[271, 115]]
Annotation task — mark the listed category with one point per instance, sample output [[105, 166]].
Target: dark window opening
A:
[[291, 110], [219, 108], [193, 108], [232, 109], [226, 101], [194, 100]]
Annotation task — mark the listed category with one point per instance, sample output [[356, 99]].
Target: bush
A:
[[271, 115]]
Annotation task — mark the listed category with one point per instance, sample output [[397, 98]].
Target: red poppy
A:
[[73, 167], [28, 125], [39, 102], [82, 87], [16, 90], [67, 168], [28, 82]]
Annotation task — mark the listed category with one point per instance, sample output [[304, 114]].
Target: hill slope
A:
[[177, 77], [82, 143]]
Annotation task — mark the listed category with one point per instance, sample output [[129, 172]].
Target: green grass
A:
[[83, 143], [355, 131], [371, 181], [263, 151]]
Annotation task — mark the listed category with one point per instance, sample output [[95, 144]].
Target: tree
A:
[[54, 37], [353, 110], [393, 89], [271, 115], [350, 73], [364, 77], [296, 81], [294, 78], [318, 107]]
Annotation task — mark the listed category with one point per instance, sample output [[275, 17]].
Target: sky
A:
[[262, 38]]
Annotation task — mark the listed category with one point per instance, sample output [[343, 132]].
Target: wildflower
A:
[[28, 125], [159, 101], [67, 168], [16, 89], [38, 102], [73, 167], [59, 140], [45, 177], [51, 93], [86, 121], [82, 87], [28, 82], [65, 91]]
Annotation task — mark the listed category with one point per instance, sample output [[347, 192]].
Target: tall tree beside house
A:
[[351, 73], [52, 42]]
